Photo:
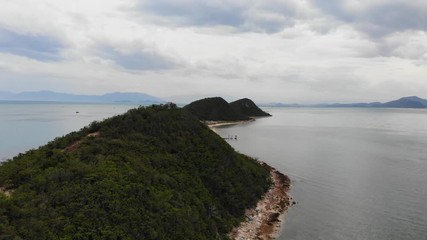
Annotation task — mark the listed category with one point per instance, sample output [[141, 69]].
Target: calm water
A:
[[24, 126], [357, 173]]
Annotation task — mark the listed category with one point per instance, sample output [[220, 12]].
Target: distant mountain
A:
[[247, 107], [405, 102], [214, 109], [346, 105], [325, 105], [50, 96], [277, 104], [5, 95]]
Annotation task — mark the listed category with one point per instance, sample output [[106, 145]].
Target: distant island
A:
[[154, 172], [49, 96], [217, 109], [405, 102]]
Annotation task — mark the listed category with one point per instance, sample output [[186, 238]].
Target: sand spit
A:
[[213, 124], [263, 222]]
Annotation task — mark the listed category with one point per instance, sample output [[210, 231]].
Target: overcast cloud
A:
[[272, 51]]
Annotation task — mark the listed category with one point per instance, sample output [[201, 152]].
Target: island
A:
[[155, 172], [215, 111]]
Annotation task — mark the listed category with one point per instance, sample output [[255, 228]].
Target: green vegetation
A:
[[214, 109], [217, 109], [152, 173], [247, 107]]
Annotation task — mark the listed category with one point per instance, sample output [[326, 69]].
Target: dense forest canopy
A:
[[247, 107], [217, 109], [153, 173], [214, 109]]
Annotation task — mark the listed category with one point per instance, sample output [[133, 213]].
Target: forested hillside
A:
[[217, 109], [214, 109], [152, 173], [247, 107]]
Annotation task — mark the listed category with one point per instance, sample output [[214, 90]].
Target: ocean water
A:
[[28, 125], [356, 173]]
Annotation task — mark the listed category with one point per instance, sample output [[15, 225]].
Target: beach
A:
[[214, 124]]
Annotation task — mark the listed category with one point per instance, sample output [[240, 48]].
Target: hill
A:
[[50, 96], [214, 109], [153, 173], [407, 102], [247, 107]]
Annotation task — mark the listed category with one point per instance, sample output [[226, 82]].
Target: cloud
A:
[[408, 44], [38, 47], [271, 50], [389, 18], [377, 17], [137, 60], [196, 12], [259, 16]]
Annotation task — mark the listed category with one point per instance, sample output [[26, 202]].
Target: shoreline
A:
[[214, 124], [265, 221]]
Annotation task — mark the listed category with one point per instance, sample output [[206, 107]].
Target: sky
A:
[[290, 51]]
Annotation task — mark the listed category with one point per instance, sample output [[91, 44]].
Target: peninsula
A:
[[263, 220], [152, 173]]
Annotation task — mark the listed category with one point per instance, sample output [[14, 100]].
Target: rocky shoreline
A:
[[263, 222]]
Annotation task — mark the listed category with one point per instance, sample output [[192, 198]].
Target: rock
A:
[[274, 217]]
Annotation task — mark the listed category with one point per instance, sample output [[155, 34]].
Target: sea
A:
[[357, 173], [28, 125]]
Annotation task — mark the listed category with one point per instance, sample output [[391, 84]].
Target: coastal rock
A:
[[265, 218]]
